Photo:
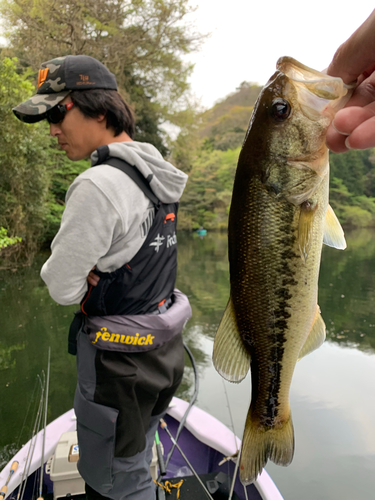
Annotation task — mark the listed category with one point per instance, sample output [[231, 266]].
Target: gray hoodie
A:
[[106, 219]]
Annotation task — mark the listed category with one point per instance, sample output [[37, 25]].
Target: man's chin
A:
[[74, 157]]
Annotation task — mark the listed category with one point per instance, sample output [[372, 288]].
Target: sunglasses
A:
[[57, 113]]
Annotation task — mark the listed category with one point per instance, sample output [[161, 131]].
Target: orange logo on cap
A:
[[42, 76]]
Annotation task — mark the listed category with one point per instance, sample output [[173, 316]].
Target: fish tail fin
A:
[[261, 444]]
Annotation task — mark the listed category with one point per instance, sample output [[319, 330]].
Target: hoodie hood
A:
[[167, 182]]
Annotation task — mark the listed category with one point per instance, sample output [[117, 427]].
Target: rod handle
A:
[[3, 491], [14, 466], [163, 425]]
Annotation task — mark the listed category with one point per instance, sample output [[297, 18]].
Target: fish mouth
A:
[[318, 93], [319, 83]]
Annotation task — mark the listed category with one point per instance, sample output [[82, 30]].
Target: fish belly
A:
[[274, 295]]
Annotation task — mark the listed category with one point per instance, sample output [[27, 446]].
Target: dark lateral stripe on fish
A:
[[279, 325]]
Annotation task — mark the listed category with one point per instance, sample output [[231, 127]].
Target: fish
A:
[[278, 221]]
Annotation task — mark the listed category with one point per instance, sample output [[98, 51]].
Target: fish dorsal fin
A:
[[333, 232], [316, 336], [230, 357]]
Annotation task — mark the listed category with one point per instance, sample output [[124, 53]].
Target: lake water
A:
[[332, 395]]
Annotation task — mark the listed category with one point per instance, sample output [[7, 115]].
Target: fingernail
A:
[[338, 131], [347, 143]]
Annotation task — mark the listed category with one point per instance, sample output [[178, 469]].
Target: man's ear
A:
[[101, 118]]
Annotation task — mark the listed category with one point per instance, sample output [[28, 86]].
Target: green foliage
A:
[[24, 177], [208, 148], [228, 131], [354, 168], [225, 125], [222, 129], [34, 175], [5, 241], [143, 42], [185, 148], [352, 191], [207, 196], [6, 360], [62, 174], [357, 216]]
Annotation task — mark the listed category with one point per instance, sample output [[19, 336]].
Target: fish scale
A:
[[266, 276], [278, 220]]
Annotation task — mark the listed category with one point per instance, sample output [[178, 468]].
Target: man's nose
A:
[[54, 129]]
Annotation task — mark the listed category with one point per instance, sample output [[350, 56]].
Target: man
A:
[[115, 252]]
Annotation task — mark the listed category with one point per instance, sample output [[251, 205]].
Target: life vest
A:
[[146, 282], [136, 308]]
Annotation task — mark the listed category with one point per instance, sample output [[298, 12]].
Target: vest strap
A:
[[130, 170]]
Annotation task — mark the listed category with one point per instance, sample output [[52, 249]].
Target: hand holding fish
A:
[[354, 126]]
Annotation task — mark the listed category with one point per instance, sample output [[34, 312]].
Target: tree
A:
[[24, 175], [208, 193], [141, 41]]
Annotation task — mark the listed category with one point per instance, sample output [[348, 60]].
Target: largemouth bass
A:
[[279, 219]]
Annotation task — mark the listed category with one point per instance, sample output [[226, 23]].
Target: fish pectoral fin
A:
[[316, 336], [230, 357], [333, 232], [305, 231]]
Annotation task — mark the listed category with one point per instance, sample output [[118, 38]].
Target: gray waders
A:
[[120, 398]]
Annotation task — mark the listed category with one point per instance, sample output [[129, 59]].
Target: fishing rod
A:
[[230, 416], [13, 469], [45, 426], [238, 451], [235, 474], [182, 423], [25, 474], [192, 401], [160, 455], [164, 426]]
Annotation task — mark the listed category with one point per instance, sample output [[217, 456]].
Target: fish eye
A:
[[280, 109]]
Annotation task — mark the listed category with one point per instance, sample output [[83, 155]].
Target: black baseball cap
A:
[[57, 78]]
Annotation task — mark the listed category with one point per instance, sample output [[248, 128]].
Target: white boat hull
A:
[[203, 426]]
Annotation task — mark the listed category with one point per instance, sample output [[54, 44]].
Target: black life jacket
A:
[[146, 282]]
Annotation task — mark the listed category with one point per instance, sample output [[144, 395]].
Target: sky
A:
[[248, 36]]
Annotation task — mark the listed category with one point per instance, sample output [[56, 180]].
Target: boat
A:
[[208, 446], [201, 231]]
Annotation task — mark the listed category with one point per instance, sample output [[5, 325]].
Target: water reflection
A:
[[332, 392], [30, 322], [347, 292], [346, 286]]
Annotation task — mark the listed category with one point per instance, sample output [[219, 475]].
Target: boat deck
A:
[[206, 463]]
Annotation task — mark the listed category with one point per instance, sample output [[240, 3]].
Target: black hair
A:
[[95, 102]]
